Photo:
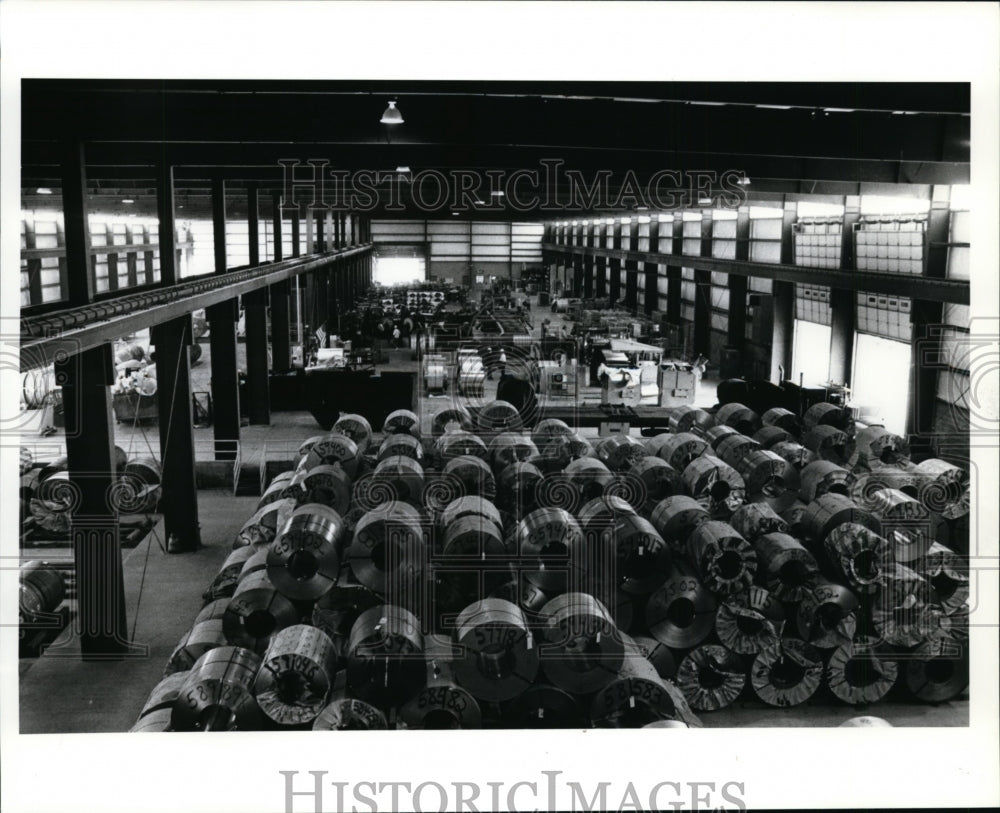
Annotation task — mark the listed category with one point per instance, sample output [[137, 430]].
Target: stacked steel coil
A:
[[497, 575]]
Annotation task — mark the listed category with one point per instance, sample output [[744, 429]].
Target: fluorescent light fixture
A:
[[391, 115], [127, 200], [43, 190], [454, 214], [644, 218], [403, 170], [709, 104], [744, 180], [480, 202], [626, 220], [666, 218], [704, 201], [576, 222], [774, 107], [610, 221], [840, 110], [497, 194]]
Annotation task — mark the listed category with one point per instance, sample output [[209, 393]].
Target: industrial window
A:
[[818, 243], [398, 270], [890, 244], [881, 379], [810, 352], [812, 303]]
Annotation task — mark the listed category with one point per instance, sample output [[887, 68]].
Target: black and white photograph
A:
[[413, 397]]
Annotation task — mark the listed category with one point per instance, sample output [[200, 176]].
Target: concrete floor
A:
[[60, 693]]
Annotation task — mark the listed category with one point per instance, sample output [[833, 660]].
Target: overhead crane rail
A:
[[930, 289], [73, 330]]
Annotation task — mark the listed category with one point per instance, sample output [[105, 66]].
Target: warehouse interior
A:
[[418, 405]]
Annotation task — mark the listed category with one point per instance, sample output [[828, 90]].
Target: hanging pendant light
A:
[[391, 115]]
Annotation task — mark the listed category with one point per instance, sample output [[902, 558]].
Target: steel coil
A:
[[474, 536], [470, 507], [256, 612], [936, 671], [657, 654], [552, 539], [793, 517], [543, 706], [499, 416], [154, 722], [497, 659], [296, 675], [518, 487], [453, 419], [385, 655], [739, 416], [755, 519], [658, 478], [750, 621], [944, 488], [900, 612], [345, 713], [226, 579], [456, 444], [876, 444], [204, 635], [769, 478], [473, 475], [782, 418], [336, 611], [826, 615], [688, 419], [278, 489], [680, 449], [857, 555], [388, 545], [828, 443], [724, 560], [787, 673], [357, 428], [715, 484], [263, 526], [638, 554], [333, 448], [164, 693], [601, 512], [582, 649], [639, 696], [948, 575], [787, 569], [399, 478], [508, 448], [905, 522], [732, 449], [255, 563], [675, 518], [41, 590], [866, 722], [717, 434], [329, 486], [217, 696], [558, 451], [549, 428], [857, 674], [795, 453], [680, 613], [823, 477], [303, 562], [711, 677], [590, 477], [770, 436], [828, 511], [402, 422], [441, 703], [620, 452], [825, 414], [401, 445]]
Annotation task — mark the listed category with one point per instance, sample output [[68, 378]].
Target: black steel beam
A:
[[738, 286], [934, 290], [278, 295], [94, 529], [615, 262], [255, 310], [179, 500], [651, 290], [165, 216], [80, 280]]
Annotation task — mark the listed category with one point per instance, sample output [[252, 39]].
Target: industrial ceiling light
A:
[[43, 190], [704, 200], [127, 200], [392, 115], [497, 193], [743, 180], [403, 170]]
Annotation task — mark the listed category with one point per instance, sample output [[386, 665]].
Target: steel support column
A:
[[843, 302], [167, 225], [255, 320], [615, 264], [179, 500], [86, 377], [278, 295], [703, 293], [674, 274], [651, 290], [222, 320], [783, 332], [632, 271], [601, 265], [80, 282], [738, 284]]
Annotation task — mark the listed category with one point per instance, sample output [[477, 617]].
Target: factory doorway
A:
[[399, 265]]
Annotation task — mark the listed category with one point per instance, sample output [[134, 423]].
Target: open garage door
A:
[[399, 264]]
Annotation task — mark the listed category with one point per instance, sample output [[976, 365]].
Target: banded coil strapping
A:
[[498, 658], [303, 562], [388, 545], [385, 655], [217, 693], [296, 675]]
